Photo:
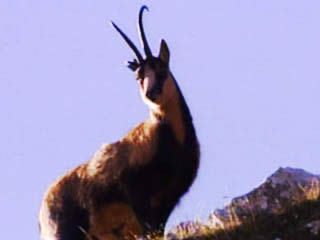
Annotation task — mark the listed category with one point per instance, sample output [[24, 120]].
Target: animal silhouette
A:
[[129, 188]]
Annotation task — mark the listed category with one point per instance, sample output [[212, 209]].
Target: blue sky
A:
[[249, 71]]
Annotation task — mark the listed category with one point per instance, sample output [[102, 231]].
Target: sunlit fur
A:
[[130, 187], [166, 105]]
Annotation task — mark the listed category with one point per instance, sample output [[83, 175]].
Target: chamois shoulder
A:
[[131, 151]]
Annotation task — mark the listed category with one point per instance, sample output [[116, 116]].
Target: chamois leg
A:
[[115, 221]]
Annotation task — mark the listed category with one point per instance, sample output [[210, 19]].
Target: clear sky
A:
[[249, 71]]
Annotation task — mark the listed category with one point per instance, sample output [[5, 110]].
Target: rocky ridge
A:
[[285, 207]]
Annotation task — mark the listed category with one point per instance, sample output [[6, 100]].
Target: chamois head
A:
[[153, 74]]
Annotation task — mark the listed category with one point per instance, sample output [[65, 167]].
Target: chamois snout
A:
[[151, 86]]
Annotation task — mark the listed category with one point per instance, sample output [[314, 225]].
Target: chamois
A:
[[129, 188]]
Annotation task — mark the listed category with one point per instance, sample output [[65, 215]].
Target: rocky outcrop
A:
[[285, 207]]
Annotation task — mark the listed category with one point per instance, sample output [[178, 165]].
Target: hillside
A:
[[285, 207]]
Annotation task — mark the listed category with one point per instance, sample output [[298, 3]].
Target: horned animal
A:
[[129, 188]]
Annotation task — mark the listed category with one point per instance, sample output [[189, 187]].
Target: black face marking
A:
[[161, 73], [156, 64]]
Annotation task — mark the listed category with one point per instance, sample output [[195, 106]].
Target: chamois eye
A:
[[162, 75], [152, 64]]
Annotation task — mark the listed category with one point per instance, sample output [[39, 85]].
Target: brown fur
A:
[[130, 187], [115, 221], [107, 165]]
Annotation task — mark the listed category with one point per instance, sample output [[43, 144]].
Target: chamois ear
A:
[[133, 65], [164, 53]]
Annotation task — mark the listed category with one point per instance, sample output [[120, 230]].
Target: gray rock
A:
[[285, 188]]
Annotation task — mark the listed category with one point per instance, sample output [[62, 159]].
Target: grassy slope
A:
[[290, 225]]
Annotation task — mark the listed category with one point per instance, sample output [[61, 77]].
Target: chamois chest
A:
[[156, 186]]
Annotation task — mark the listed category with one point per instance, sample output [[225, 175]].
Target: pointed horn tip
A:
[[144, 7], [143, 39], [112, 24]]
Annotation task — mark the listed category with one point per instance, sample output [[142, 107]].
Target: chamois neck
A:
[[176, 113]]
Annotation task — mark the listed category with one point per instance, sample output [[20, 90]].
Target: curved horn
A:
[[142, 34], [129, 42]]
